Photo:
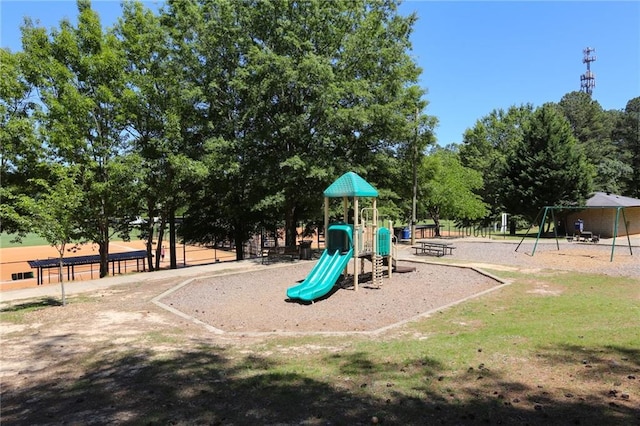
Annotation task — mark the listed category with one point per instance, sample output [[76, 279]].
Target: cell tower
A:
[[588, 79]]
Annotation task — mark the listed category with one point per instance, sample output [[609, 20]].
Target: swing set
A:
[[549, 211]]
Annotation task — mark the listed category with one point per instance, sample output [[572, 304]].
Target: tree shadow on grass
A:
[[32, 304], [208, 385]]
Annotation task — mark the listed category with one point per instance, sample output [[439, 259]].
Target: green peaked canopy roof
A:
[[350, 185]]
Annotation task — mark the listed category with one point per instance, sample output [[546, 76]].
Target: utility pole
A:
[[415, 183]]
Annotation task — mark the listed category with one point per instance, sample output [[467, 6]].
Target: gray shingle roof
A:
[[603, 199]]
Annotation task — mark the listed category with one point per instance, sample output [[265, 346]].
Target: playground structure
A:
[[364, 239]]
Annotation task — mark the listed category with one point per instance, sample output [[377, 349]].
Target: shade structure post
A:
[[345, 209], [326, 221], [356, 226], [374, 236], [390, 255]]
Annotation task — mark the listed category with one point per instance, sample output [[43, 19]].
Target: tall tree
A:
[[79, 74], [159, 100], [326, 88], [487, 147], [627, 135], [294, 94], [546, 168], [592, 127], [54, 213], [403, 189], [447, 189], [21, 153], [209, 42]]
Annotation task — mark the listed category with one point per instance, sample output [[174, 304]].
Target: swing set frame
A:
[[550, 209]]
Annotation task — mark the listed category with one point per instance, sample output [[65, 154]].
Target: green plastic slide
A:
[[322, 277]]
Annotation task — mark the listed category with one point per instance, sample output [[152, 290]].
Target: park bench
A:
[[290, 253]]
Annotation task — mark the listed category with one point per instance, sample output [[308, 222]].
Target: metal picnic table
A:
[[433, 248]]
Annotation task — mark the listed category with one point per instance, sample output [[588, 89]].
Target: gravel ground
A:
[[256, 302], [586, 257]]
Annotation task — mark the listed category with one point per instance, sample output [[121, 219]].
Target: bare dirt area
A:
[[207, 351]]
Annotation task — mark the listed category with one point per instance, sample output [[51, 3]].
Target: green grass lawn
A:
[[7, 240], [552, 348], [31, 239], [532, 353]]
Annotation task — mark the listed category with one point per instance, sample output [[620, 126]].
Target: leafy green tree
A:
[[487, 147], [611, 173], [54, 213], [159, 102], [592, 127], [78, 72], [209, 44], [20, 150], [416, 140], [293, 95], [546, 168], [325, 86], [448, 189], [627, 135]]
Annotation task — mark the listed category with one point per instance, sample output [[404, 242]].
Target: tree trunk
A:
[[103, 248], [150, 244], [61, 275], [276, 236], [238, 240], [172, 240], [436, 229], [159, 245], [290, 226], [435, 215]]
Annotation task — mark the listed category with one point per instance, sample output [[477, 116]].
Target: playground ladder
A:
[[378, 269]]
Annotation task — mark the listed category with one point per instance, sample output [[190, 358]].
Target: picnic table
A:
[[586, 236], [433, 248]]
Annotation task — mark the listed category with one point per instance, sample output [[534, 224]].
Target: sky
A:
[[476, 56]]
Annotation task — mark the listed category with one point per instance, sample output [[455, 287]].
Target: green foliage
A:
[[447, 188], [488, 145], [20, 150], [293, 96], [54, 213], [324, 85], [241, 113], [78, 72], [593, 127], [627, 136], [611, 174], [546, 168]]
